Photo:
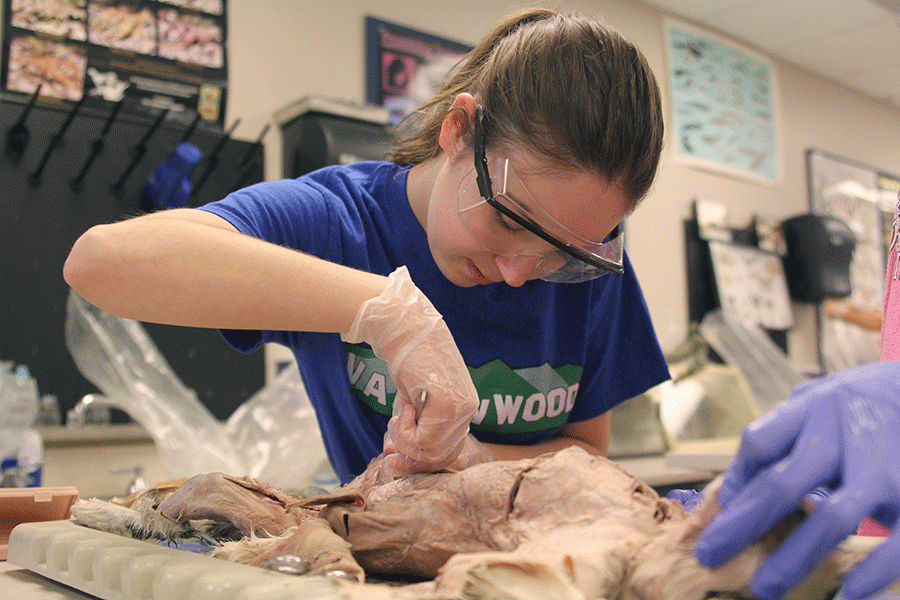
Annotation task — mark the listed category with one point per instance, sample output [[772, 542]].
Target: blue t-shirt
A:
[[540, 355]]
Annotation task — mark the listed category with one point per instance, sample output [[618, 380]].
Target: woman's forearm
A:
[[192, 268], [591, 435]]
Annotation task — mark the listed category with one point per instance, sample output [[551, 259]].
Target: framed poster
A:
[[864, 199], [724, 103], [160, 55], [405, 67]]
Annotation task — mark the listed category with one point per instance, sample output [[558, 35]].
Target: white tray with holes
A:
[[113, 567]]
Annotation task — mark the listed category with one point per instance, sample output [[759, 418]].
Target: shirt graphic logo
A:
[[511, 400]]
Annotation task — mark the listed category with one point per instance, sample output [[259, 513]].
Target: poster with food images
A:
[[158, 55]]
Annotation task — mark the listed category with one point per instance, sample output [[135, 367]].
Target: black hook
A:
[[55, 141], [212, 158], [139, 149], [18, 135], [190, 130], [214, 153], [251, 151], [137, 153], [245, 166], [77, 184]]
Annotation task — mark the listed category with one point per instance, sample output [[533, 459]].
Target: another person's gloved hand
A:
[[410, 336], [689, 499], [840, 432]]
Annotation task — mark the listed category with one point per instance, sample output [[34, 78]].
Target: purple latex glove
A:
[[841, 432], [689, 499]]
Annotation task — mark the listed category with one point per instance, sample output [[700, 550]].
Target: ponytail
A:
[[565, 87]]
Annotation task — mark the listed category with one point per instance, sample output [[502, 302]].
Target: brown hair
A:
[[567, 87]]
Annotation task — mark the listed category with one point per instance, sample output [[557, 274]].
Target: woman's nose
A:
[[516, 270]]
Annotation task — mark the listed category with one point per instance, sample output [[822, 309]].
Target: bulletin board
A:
[[405, 67], [738, 270], [751, 285], [168, 55], [724, 102], [864, 198]]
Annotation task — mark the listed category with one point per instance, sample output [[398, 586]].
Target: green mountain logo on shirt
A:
[[512, 400]]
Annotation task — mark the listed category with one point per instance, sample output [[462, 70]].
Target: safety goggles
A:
[[509, 227]]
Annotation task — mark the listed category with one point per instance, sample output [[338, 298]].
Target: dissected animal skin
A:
[[249, 505], [564, 525], [413, 525]]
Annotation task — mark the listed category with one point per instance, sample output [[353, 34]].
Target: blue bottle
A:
[[170, 184]]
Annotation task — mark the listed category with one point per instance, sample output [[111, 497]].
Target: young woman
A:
[[477, 280]]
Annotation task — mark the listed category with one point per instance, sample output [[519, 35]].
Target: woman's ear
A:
[[458, 124]]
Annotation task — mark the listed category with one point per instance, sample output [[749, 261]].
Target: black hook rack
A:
[[42, 217]]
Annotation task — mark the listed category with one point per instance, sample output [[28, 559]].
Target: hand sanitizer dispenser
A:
[[819, 251]]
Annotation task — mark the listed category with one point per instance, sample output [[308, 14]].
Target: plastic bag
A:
[[273, 436], [765, 367], [277, 434]]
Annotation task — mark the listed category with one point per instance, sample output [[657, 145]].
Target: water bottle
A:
[[21, 447], [30, 458], [20, 402], [49, 414], [9, 473], [170, 184]]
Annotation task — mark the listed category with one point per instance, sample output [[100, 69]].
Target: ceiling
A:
[[854, 42]]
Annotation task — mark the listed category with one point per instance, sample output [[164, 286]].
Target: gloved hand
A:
[[840, 432], [472, 453], [408, 333], [689, 499]]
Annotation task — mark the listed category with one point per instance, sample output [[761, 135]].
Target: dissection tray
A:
[[25, 505], [113, 567]]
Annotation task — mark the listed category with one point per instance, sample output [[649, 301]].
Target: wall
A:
[[318, 48]]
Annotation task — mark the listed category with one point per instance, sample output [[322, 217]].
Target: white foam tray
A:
[[113, 567]]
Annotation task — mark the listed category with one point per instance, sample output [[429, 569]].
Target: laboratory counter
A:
[[103, 461], [17, 582]]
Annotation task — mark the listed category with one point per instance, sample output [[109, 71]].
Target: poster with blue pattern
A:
[[724, 105]]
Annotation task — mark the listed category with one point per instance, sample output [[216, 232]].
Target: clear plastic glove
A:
[[839, 432], [426, 432], [472, 453]]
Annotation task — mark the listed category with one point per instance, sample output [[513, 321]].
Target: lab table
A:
[[17, 582]]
